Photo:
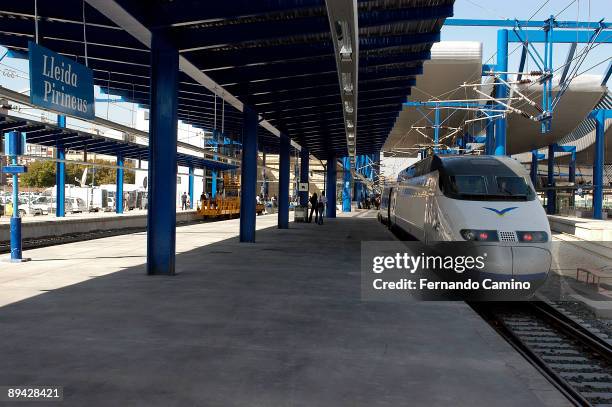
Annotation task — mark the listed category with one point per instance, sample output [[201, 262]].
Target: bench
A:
[[593, 274]]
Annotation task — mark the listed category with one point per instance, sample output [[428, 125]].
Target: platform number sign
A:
[[59, 83]]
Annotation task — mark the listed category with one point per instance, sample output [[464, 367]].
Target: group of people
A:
[[372, 202], [317, 205], [262, 199]]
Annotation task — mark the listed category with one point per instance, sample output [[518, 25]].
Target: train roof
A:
[[464, 165]]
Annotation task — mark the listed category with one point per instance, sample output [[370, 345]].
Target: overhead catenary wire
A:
[[36, 20], [85, 36]]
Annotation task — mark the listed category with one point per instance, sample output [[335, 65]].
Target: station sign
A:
[[303, 187], [59, 83], [14, 169]]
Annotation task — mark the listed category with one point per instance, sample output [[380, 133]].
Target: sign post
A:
[[15, 146], [60, 84]]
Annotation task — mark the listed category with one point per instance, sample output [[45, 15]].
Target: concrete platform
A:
[[276, 323], [588, 229], [36, 227]]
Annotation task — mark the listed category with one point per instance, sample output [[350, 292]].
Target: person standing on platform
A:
[[314, 201], [184, 201], [321, 207]]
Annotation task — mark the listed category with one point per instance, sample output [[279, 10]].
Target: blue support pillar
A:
[[598, 164], [60, 174], [161, 216], [572, 168], [15, 219], [60, 182], [264, 181], [551, 194], [533, 172], [14, 142], [119, 193], [330, 188], [191, 187], [248, 184], [501, 90], [490, 137], [304, 170], [346, 184], [283, 182], [213, 173]]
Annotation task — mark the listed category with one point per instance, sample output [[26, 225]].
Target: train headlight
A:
[[532, 237], [480, 235]]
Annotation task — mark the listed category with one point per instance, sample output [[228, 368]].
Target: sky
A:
[[584, 10]]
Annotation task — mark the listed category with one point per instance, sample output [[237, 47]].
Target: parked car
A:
[[43, 202], [67, 205], [25, 209]]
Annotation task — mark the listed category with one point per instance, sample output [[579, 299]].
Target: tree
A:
[[40, 174], [105, 175]]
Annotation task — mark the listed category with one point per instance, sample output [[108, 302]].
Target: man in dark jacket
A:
[[314, 207]]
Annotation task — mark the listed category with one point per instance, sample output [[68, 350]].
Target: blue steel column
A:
[[248, 183], [551, 194], [15, 219], [119, 193], [358, 189], [501, 90], [346, 184], [191, 187], [283, 182], [533, 172], [304, 170], [598, 164], [213, 173], [572, 168], [60, 174], [330, 188], [13, 138], [490, 137], [161, 216]]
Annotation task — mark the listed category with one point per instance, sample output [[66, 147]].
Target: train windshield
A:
[[512, 186], [468, 184], [487, 187]]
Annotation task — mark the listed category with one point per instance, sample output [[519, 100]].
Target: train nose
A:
[[530, 263], [526, 263]]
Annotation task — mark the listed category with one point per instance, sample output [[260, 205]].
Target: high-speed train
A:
[[488, 200]]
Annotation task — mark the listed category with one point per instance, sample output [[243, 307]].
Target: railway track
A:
[[574, 359]]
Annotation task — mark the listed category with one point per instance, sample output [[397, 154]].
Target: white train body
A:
[[462, 198]]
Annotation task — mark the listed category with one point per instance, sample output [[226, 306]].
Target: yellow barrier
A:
[[219, 207], [224, 208]]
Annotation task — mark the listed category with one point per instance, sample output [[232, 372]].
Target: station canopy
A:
[[276, 56], [49, 135]]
